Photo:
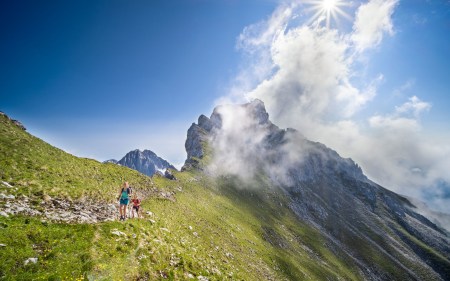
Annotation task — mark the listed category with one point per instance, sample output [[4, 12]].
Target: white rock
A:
[[149, 213], [202, 278], [195, 234], [190, 276], [164, 229], [142, 256], [3, 214], [190, 227], [152, 221], [118, 233], [112, 207], [30, 260], [6, 184], [2, 245]]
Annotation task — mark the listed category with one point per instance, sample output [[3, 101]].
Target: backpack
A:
[[129, 191]]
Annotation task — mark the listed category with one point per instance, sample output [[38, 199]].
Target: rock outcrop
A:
[[84, 210], [112, 161]]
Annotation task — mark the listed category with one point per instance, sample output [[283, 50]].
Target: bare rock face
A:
[[196, 135], [200, 133]]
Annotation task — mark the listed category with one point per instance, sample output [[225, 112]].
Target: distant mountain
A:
[[146, 162]]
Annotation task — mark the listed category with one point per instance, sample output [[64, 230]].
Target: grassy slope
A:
[[219, 229], [37, 168], [203, 233], [213, 229]]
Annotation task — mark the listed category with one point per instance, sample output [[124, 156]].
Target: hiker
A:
[[124, 199], [168, 174], [136, 206], [130, 194]]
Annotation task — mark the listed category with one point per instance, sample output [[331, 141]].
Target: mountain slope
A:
[[318, 220], [35, 167], [205, 231], [360, 220]]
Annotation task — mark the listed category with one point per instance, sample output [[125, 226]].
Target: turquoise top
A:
[[124, 194]]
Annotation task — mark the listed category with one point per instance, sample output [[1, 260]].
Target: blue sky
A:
[[74, 70], [101, 78]]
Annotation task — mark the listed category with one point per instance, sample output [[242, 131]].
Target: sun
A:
[[328, 5], [327, 10]]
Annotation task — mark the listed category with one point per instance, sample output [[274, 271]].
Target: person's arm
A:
[[120, 194]]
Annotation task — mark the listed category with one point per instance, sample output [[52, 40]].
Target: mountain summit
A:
[[377, 229], [146, 162]]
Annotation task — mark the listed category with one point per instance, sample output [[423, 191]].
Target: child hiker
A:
[[124, 198], [136, 206]]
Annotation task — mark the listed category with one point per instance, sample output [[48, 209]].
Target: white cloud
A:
[[372, 21], [300, 65], [259, 35], [238, 145], [414, 106], [306, 77]]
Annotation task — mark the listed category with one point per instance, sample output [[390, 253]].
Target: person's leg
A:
[[121, 211]]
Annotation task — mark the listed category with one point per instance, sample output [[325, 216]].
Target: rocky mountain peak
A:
[[272, 143], [205, 128], [146, 162], [324, 190]]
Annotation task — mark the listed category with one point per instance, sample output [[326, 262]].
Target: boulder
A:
[[168, 175], [30, 260]]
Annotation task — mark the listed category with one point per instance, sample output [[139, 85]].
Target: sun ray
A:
[[327, 11]]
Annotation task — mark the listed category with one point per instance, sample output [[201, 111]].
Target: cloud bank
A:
[[309, 77]]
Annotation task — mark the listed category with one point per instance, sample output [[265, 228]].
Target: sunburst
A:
[[327, 10]]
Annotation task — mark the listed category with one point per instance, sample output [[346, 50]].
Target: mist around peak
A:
[[315, 78], [243, 142]]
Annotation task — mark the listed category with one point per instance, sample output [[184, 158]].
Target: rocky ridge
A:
[[333, 195]]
